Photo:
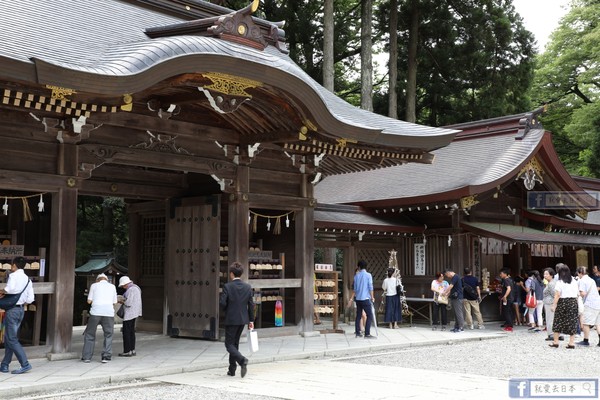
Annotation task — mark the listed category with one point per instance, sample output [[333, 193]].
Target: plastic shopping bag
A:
[[252, 341]]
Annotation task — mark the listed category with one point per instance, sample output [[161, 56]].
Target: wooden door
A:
[[193, 267]]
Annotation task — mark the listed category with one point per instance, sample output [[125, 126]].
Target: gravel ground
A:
[[512, 356], [521, 354]]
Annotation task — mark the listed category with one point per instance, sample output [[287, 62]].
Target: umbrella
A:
[[374, 319]]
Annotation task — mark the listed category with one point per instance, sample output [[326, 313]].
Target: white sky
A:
[[541, 17]]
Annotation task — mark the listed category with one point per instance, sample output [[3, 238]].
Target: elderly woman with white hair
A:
[[132, 301]]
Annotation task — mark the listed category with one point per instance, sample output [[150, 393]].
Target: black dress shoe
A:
[[230, 373], [244, 369], [370, 337]]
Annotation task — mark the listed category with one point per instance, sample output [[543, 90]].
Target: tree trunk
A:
[[366, 55], [411, 80], [393, 63], [328, 74], [108, 224]]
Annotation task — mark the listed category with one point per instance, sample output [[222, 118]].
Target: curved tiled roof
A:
[[355, 218], [464, 164], [523, 234], [99, 46]]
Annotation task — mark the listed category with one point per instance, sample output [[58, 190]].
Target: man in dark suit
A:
[[236, 300]]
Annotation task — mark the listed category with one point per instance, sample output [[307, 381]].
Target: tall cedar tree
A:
[[567, 80]]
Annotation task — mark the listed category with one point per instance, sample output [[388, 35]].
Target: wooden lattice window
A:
[[153, 246], [377, 262]]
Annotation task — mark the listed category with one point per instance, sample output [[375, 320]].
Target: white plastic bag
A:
[[252, 341]]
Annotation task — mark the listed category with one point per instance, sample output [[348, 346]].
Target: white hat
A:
[[124, 281], [101, 276]]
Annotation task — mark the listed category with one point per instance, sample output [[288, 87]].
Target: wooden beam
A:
[[279, 202], [327, 244], [129, 190], [32, 181], [156, 124], [147, 207], [162, 160]]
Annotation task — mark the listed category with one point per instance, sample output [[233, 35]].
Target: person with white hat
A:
[[133, 309], [103, 297]]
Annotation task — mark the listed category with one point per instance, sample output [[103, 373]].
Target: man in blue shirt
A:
[[364, 297]]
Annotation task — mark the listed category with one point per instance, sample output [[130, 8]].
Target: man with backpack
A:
[[472, 298]]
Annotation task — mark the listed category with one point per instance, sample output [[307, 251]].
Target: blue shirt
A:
[[363, 285]]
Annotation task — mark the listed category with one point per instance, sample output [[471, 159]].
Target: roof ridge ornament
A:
[[237, 26], [530, 121]]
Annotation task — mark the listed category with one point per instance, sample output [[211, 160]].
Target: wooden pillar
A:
[[62, 269], [348, 275], [305, 268], [135, 244], [238, 227], [305, 255], [457, 248]]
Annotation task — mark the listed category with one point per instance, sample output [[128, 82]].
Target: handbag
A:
[[252, 341], [442, 299], [121, 311], [8, 301], [399, 288], [530, 301]]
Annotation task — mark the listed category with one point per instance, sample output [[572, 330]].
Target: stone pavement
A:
[[332, 379], [160, 355]]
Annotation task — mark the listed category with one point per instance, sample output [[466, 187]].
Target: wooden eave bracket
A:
[[164, 111], [67, 130]]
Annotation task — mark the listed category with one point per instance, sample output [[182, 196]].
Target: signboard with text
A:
[[420, 259], [11, 251]]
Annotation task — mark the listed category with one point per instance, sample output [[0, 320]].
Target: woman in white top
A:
[[565, 306], [392, 301], [439, 286]]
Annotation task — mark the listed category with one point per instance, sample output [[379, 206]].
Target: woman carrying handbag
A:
[[439, 286]]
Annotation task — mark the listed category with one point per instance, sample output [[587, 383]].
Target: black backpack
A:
[[469, 291]]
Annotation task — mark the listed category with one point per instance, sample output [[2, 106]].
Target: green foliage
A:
[[319, 257], [102, 226], [475, 61], [567, 79]]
